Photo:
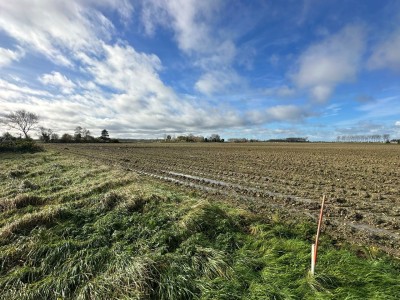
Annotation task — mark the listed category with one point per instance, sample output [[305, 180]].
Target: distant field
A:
[[78, 222], [361, 180]]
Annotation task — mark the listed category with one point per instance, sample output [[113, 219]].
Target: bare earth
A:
[[361, 181]]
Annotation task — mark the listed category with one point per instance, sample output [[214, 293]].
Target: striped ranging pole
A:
[[314, 247]]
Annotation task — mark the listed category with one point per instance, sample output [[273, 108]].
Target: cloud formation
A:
[[58, 80], [191, 22], [57, 29], [7, 56], [279, 113], [334, 60], [387, 53]]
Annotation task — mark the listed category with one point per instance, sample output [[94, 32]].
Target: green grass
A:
[[73, 229]]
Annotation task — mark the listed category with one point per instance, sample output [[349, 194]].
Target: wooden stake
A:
[[314, 247], [319, 228]]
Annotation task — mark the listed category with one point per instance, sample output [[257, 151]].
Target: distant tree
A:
[[181, 138], [82, 134], [54, 137], [386, 138], [168, 138], [89, 138], [66, 138], [214, 138], [190, 138], [104, 135], [45, 134], [78, 134], [86, 134], [8, 137], [22, 121], [199, 138]]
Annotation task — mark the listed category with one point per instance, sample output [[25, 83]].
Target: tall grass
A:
[[109, 234]]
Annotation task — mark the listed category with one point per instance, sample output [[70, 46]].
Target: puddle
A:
[[238, 186]]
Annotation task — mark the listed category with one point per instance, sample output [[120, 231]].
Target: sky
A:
[[253, 69]]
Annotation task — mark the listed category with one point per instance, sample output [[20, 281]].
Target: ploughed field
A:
[[361, 181]]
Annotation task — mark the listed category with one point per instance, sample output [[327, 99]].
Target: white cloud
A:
[[213, 82], [397, 123], [387, 53], [58, 80], [7, 88], [54, 28], [8, 55], [192, 24], [332, 110], [279, 113], [286, 113], [189, 19], [321, 92], [221, 55], [326, 64], [142, 100], [123, 68], [281, 91]]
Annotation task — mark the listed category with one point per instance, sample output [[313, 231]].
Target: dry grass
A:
[[29, 221]]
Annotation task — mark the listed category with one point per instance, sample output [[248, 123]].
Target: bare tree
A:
[[214, 138], [21, 120], [78, 133], [86, 134], [54, 137], [45, 134], [386, 138]]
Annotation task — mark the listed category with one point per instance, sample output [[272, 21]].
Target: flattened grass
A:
[[95, 232]]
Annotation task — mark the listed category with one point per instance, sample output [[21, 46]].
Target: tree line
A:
[[81, 135], [24, 122], [372, 138], [214, 138]]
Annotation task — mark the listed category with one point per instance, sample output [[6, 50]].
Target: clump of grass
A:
[[127, 275], [204, 217], [26, 185], [20, 201], [16, 173], [24, 200], [29, 221], [134, 204], [110, 200]]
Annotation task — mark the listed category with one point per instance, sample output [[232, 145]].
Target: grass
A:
[[88, 231]]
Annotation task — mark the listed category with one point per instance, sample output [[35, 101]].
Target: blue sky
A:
[[255, 69]]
